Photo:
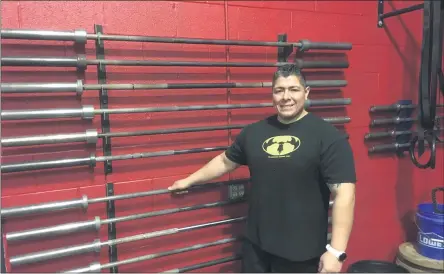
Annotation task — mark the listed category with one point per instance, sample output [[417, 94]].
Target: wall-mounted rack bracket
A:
[[382, 15], [283, 52]]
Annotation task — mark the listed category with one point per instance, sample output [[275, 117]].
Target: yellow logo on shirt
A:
[[281, 146]]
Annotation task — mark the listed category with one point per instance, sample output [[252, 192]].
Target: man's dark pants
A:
[[256, 260]]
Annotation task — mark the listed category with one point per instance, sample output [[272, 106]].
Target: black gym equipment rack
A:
[[80, 37]]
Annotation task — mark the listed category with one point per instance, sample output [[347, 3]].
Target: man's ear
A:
[[307, 91]]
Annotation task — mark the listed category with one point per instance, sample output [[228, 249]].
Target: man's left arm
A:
[[343, 195], [338, 170]]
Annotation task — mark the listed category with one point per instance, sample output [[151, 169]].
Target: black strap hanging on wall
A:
[[429, 76]]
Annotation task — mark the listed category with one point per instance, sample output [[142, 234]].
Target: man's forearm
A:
[[342, 218], [217, 167]]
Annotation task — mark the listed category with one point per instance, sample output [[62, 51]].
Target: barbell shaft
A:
[[395, 120], [80, 36], [308, 104], [8, 212], [96, 223], [88, 112], [81, 62], [394, 107], [203, 265], [97, 267], [60, 163], [312, 83], [89, 136], [96, 246], [78, 87], [53, 231], [388, 147], [392, 147], [92, 160], [391, 133]]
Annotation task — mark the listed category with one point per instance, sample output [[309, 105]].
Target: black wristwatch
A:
[[342, 256]]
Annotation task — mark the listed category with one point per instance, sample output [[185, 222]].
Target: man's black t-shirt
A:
[[290, 166]]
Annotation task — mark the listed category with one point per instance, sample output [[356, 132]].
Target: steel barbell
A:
[[78, 87], [96, 245], [96, 223], [84, 202], [97, 267], [395, 107], [81, 62], [88, 112], [91, 136], [93, 159], [81, 36]]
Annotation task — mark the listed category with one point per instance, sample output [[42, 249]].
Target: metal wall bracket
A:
[[105, 122], [112, 234], [382, 15], [103, 97], [283, 52]]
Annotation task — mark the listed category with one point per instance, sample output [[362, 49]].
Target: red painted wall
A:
[[383, 69]]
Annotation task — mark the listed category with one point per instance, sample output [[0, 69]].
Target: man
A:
[[296, 161]]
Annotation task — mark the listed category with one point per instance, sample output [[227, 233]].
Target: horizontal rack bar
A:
[[97, 245], [79, 87], [84, 202], [88, 112], [395, 107], [81, 36], [96, 223], [81, 62]]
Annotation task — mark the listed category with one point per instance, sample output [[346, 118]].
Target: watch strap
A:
[[335, 252]]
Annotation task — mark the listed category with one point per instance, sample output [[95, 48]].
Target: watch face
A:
[[342, 257]]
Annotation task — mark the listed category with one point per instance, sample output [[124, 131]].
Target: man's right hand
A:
[[179, 185]]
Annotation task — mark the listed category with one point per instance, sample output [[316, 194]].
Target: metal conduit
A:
[[84, 202], [96, 245], [69, 228], [81, 36], [81, 62], [78, 87], [88, 112]]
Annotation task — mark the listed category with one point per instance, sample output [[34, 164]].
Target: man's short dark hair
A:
[[288, 70]]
